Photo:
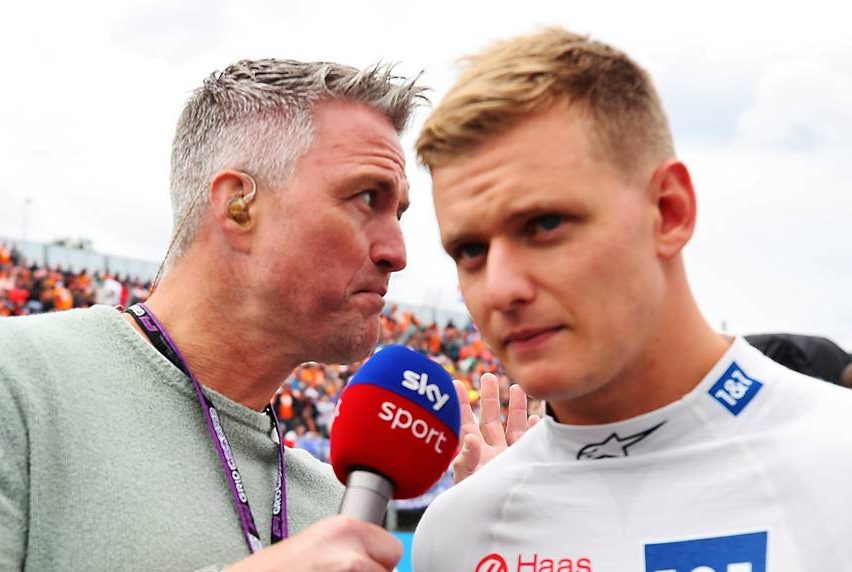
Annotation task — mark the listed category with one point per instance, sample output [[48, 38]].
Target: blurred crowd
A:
[[306, 400], [31, 289]]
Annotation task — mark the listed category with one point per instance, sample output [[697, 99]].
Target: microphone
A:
[[395, 431]]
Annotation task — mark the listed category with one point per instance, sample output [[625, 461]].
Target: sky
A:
[[758, 96]]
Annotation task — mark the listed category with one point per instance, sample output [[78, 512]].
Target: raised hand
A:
[[483, 442]]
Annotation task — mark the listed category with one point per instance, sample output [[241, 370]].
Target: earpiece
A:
[[238, 206], [238, 210]]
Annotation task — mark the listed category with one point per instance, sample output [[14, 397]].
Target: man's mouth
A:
[[527, 336], [378, 290]]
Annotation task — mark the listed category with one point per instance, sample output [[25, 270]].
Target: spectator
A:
[[811, 355], [325, 414], [5, 255], [109, 290], [846, 376]]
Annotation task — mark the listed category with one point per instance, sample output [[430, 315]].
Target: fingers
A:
[[470, 453], [490, 424], [464, 402], [516, 423], [335, 543], [380, 546], [483, 443], [468, 423], [468, 459]]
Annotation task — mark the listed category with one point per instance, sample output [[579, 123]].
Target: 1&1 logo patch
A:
[[735, 389], [739, 553]]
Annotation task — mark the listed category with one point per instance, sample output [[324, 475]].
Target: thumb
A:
[[467, 460]]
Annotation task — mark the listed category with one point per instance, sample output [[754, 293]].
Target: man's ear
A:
[[232, 203], [676, 209]]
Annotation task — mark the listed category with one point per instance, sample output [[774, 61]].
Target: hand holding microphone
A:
[[395, 431], [334, 544]]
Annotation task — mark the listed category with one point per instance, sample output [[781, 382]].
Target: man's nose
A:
[[388, 249], [507, 281]]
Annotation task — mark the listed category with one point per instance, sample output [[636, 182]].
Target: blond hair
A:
[[527, 74]]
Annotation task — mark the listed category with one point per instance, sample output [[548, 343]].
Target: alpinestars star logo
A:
[[614, 445]]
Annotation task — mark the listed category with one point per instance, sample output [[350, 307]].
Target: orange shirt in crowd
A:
[[285, 406], [62, 299]]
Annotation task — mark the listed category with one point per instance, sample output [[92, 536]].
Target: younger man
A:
[[669, 447]]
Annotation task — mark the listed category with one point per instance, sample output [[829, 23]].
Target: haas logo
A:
[[419, 382], [535, 562], [492, 563]]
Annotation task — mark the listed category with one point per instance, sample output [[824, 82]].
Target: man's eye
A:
[[470, 250], [369, 197], [543, 225], [546, 222]]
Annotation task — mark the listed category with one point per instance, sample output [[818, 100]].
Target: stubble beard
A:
[[356, 342]]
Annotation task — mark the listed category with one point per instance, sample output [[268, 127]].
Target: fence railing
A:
[[77, 259]]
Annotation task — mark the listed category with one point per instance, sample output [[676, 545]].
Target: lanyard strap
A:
[[166, 346]]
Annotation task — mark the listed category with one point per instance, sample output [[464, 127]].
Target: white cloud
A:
[[772, 246], [802, 103]]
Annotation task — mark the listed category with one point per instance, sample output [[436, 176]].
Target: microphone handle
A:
[[366, 497]]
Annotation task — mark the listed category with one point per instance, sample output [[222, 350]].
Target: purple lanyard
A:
[[166, 346]]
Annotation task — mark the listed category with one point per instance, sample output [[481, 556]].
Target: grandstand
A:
[[80, 256], [37, 277]]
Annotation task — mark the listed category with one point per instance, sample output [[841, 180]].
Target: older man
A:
[[669, 447], [142, 440]]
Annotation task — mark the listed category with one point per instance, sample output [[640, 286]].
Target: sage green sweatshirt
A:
[[106, 462]]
